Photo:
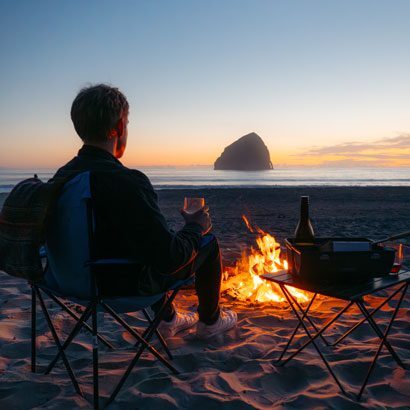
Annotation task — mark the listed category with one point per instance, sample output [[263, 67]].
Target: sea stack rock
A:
[[248, 153]]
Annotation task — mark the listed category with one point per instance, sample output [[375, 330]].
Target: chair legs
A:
[[140, 339], [143, 340], [146, 337], [96, 394], [58, 343], [84, 317], [76, 317], [158, 334], [33, 328]]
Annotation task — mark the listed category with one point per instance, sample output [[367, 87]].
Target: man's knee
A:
[[210, 240], [210, 246]]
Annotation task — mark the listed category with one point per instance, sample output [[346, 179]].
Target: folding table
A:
[[353, 294]]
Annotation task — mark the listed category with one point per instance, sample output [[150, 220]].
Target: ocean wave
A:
[[206, 177]]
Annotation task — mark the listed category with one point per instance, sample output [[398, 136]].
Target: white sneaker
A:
[[227, 320], [180, 322]]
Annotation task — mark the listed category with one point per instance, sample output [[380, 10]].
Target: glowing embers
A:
[[244, 279]]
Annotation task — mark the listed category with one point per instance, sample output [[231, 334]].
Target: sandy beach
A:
[[236, 371]]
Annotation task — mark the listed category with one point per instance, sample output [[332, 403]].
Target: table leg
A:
[[364, 319], [377, 330], [308, 318], [311, 339], [382, 342], [326, 326], [296, 329]]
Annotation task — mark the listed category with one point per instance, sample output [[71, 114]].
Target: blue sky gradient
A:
[[198, 74]]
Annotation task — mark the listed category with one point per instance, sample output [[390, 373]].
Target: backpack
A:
[[22, 226]]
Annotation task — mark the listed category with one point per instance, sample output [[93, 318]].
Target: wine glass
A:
[[192, 205], [398, 260]]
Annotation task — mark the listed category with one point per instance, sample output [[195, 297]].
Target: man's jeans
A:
[[207, 267]]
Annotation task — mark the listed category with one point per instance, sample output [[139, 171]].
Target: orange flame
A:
[[244, 281], [247, 223]]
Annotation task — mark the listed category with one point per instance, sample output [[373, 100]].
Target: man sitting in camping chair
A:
[[129, 224]]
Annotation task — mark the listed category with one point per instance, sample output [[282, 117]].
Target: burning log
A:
[[243, 281]]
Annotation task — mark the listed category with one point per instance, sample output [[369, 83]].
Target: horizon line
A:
[[276, 167]]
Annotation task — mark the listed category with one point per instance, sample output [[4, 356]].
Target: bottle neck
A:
[[304, 208]]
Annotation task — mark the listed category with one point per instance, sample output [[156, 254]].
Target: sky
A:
[[323, 82]]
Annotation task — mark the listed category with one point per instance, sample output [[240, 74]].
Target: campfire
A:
[[244, 280]]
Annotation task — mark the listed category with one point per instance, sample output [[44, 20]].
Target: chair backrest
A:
[[67, 240]]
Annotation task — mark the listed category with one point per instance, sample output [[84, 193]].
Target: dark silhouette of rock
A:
[[248, 153]]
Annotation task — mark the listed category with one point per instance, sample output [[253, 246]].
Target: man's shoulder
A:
[[107, 170], [80, 164], [133, 177], [109, 177], [123, 182], [139, 176]]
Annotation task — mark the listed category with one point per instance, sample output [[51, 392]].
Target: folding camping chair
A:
[[76, 195]]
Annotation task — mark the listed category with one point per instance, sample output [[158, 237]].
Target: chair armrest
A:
[[184, 282], [113, 262]]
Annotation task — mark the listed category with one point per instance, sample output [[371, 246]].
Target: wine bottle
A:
[[304, 234]]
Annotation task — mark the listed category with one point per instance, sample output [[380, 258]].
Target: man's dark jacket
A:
[[129, 223]]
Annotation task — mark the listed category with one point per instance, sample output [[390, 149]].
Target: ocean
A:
[[203, 176]]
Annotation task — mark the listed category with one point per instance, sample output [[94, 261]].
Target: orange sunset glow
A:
[[204, 204], [187, 152]]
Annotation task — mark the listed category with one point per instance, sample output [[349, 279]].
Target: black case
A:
[[320, 262]]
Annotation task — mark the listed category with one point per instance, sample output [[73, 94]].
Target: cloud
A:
[[378, 156], [382, 151], [401, 141], [349, 163]]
